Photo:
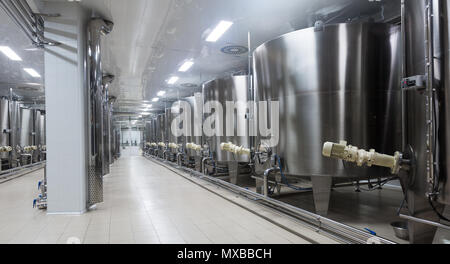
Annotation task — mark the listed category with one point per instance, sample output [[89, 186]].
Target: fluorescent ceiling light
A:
[[32, 72], [221, 28], [186, 66], [10, 53], [173, 80], [156, 99], [161, 93]]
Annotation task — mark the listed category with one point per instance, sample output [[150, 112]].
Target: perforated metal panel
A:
[[95, 186]]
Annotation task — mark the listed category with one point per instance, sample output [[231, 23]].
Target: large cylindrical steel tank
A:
[[425, 179], [26, 127], [36, 134], [148, 132], [14, 117], [4, 126], [153, 137], [233, 90], [170, 135], [160, 128], [37, 127], [340, 82], [196, 104]]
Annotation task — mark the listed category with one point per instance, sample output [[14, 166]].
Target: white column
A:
[[66, 104]]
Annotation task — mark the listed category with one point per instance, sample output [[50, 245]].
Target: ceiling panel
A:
[[152, 38], [12, 74]]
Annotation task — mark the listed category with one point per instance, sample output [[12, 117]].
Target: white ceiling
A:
[[12, 74], [152, 38]]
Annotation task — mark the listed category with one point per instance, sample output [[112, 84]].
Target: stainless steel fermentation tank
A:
[[149, 136], [170, 135], [233, 90], [14, 117], [426, 33], [189, 111], [230, 126], [196, 104], [160, 136], [36, 134], [22, 132], [339, 82], [5, 128], [26, 138], [42, 140]]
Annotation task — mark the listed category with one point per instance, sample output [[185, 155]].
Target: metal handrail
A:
[[30, 23]]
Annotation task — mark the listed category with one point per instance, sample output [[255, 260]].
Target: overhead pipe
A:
[[30, 23]]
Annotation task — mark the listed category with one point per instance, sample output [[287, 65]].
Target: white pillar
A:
[[66, 104]]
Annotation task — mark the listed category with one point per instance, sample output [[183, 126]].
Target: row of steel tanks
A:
[[336, 82], [22, 138], [200, 148]]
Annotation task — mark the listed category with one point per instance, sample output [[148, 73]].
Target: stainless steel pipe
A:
[[96, 170]]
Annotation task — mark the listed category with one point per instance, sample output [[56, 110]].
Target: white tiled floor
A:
[[144, 203]]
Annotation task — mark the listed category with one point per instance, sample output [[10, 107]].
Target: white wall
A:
[[131, 136]]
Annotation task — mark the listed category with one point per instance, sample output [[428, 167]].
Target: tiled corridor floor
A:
[[144, 203]]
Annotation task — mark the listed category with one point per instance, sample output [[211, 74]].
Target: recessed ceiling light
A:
[[10, 53], [161, 93], [156, 99], [220, 29], [32, 72], [173, 80], [186, 66]]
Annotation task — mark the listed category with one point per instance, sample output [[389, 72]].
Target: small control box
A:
[[415, 82]]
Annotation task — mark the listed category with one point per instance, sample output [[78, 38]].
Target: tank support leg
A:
[[322, 192], [198, 163], [419, 207], [442, 235], [233, 170], [357, 187]]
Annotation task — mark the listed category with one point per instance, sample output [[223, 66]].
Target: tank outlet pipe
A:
[[362, 157], [173, 146], [154, 145], [266, 180], [230, 147], [162, 144], [194, 146]]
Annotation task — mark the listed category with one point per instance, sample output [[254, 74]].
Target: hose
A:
[[284, 179]]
